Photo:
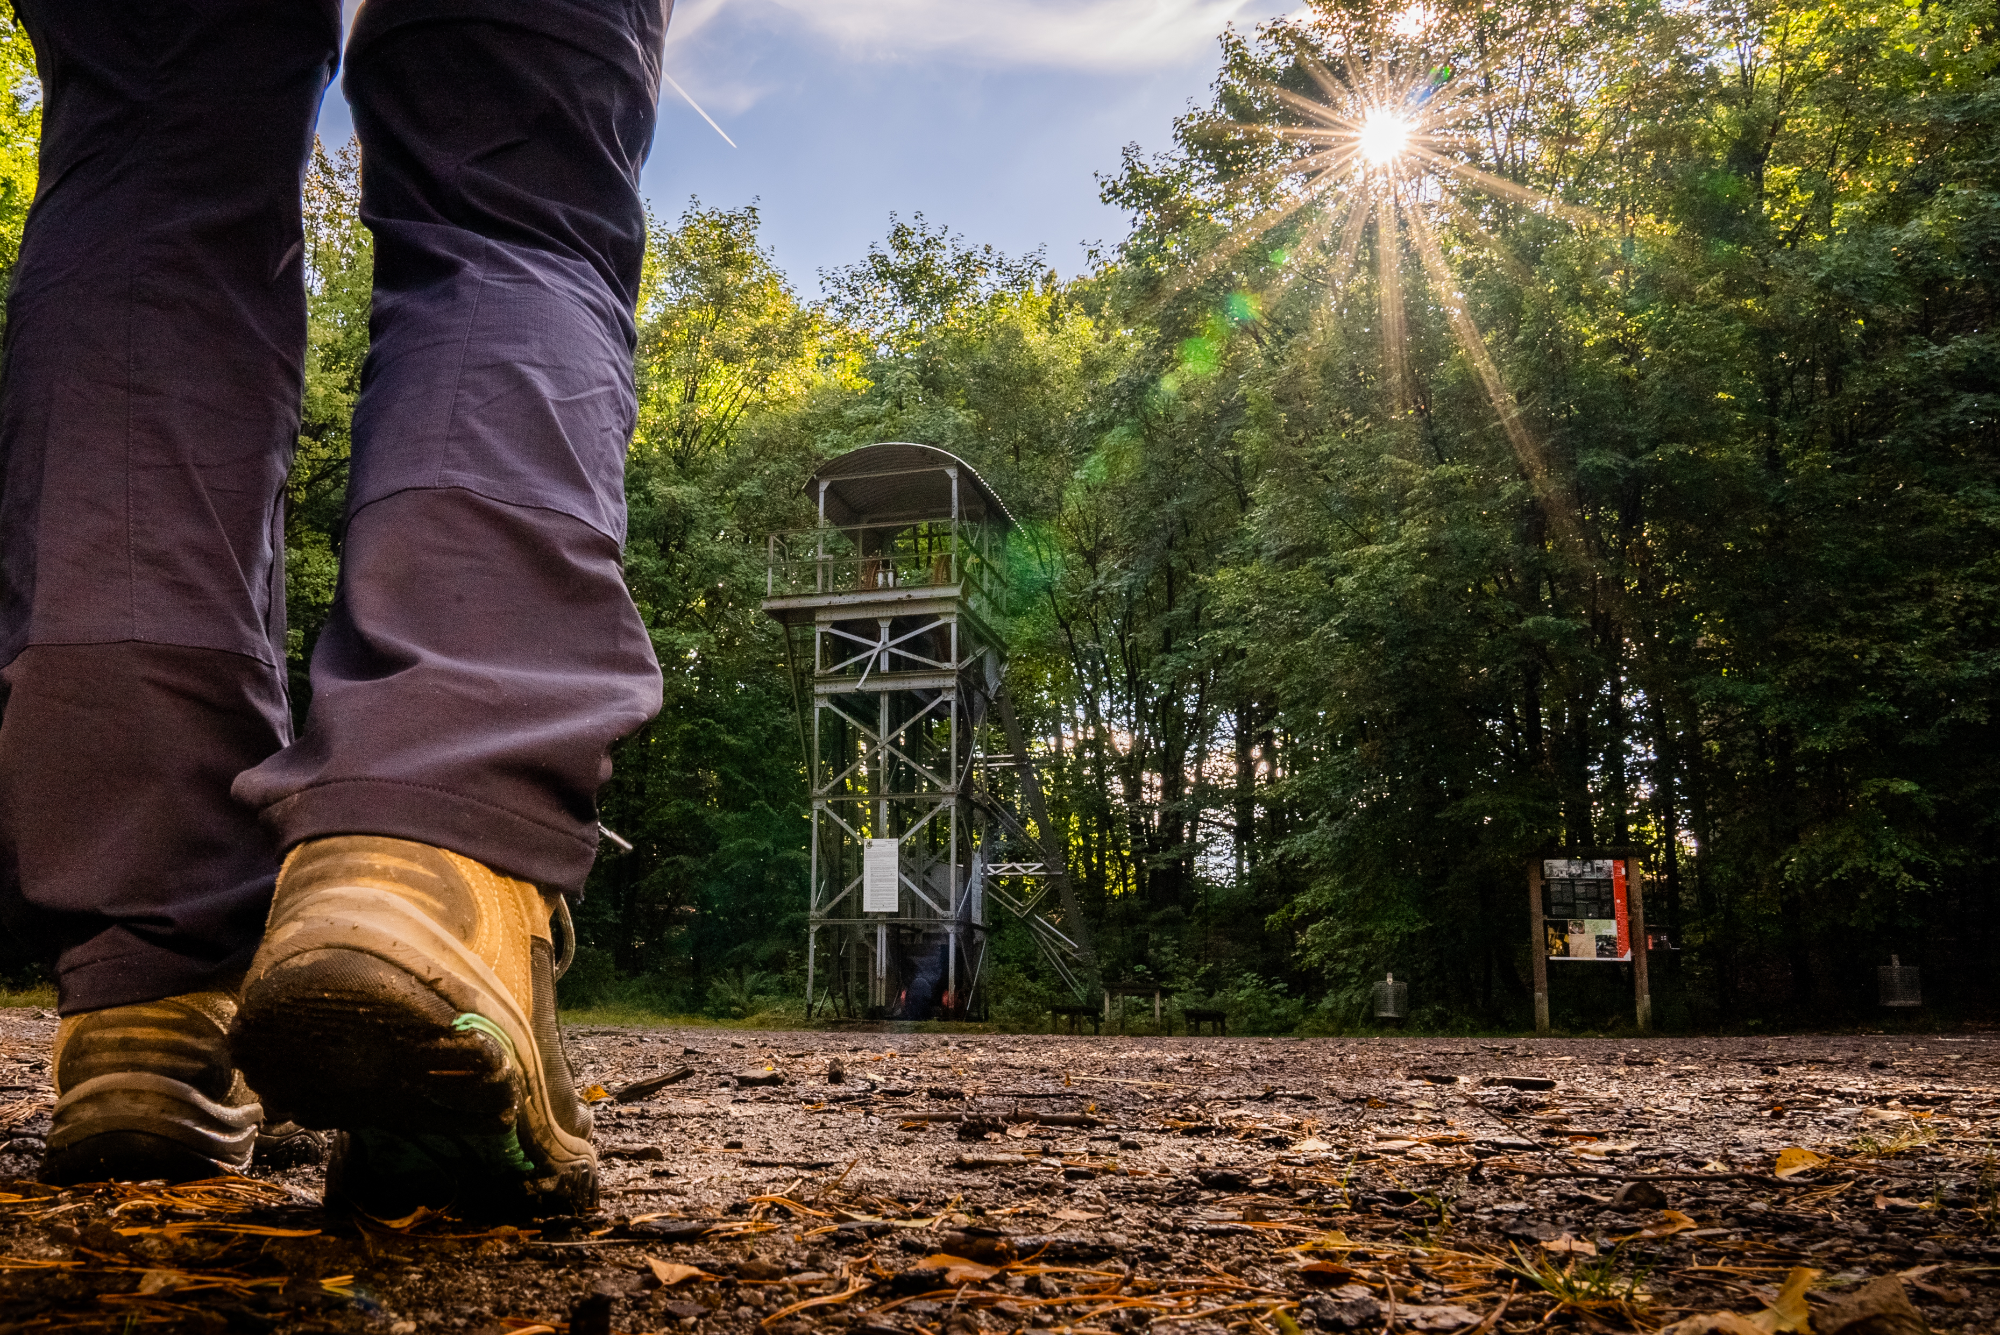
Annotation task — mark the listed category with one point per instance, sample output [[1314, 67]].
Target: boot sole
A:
[[141, 1125], [127, 1156], [338, 1039], [364, 1015]]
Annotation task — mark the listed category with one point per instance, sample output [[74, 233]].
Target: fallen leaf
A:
[[1566, 1243], [1786, 1314], [1323, 1274], [595, 1094], [958, 1270], [1075, 1216], [1879, 1308], [159, 1281], [1669, 1223], [1021, 1130], [670, 1273], [1312, 1145], [1793, 1161]]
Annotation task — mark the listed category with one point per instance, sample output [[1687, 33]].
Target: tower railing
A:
[[899, 554]]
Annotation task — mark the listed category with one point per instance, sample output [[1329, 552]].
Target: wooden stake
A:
[[1641, 985], [1538, 947]]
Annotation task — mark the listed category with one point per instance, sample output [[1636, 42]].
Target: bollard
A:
[[1392, 999], [1898, 984]]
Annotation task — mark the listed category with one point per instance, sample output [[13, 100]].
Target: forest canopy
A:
[[1333, 613]]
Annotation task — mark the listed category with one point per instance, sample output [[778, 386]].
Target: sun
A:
[[1383, 137]]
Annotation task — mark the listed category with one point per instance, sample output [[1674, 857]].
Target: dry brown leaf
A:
[[958, 1270], [670, 1273], [1879, 1308], [1669, 1223], [1311, 1145], [159, 1281], [1793, 1161], [1787, 1314], [1570, 1245], [1075, 1216], [595, 1094], [1324, 1274]]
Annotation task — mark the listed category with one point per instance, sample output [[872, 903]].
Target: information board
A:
[[1584, 911], [881, 876]]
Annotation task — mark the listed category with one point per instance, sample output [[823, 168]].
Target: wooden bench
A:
[[1075, 1014], [1218, 1021], [1123, 990]]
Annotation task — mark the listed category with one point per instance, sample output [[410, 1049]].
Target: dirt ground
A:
[[960, 1183]]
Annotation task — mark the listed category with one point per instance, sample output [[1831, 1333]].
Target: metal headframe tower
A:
[[894, 608]]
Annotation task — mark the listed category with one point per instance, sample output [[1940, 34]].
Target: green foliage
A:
[[1316, 653], [340, 263], [20, 138]]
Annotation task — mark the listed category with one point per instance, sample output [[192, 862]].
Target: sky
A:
[[992, 117]]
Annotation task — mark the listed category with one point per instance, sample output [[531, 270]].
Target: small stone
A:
[[1639, 1196], [1345, 1313]]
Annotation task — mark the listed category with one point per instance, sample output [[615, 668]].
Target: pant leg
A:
[[149, 405], [482, 653]]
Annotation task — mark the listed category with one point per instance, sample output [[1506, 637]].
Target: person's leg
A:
[[483, 653], [148, 408], [150, 401]]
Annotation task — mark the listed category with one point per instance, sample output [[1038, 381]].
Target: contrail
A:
[[697, 109]]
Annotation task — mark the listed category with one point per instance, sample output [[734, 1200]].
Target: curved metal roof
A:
[[901, 480]]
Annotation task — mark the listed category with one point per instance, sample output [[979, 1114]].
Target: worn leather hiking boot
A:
[[149, 1091], [404, 996]]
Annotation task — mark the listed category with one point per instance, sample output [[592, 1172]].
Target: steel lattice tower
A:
[[894, 608]]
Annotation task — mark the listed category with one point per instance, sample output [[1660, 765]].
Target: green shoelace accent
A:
[[392, 1157], [469, 1023]]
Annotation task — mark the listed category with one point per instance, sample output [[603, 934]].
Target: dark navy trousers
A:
[[482, 653]]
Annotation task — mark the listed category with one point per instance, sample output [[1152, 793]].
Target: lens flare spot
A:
[[1384, 135]]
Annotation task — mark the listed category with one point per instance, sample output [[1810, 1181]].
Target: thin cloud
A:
[[1127, 35]]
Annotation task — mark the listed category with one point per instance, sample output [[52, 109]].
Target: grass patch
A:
[[42, 996]]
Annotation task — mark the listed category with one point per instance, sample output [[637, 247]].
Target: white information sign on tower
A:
[[880, 876]]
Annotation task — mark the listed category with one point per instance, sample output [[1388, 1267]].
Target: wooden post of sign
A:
[[1642, 987], [1538, 947]]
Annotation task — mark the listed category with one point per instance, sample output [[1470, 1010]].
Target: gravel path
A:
[[960, 1183]]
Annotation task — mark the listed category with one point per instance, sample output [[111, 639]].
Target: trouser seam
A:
[[276, 665], [485, 494], [452, 793]]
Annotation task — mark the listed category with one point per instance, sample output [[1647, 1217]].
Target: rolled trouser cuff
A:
[[555, 857], [480, 660]]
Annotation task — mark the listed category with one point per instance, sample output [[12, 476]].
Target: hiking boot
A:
[[148, 1091], [404, 996]]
